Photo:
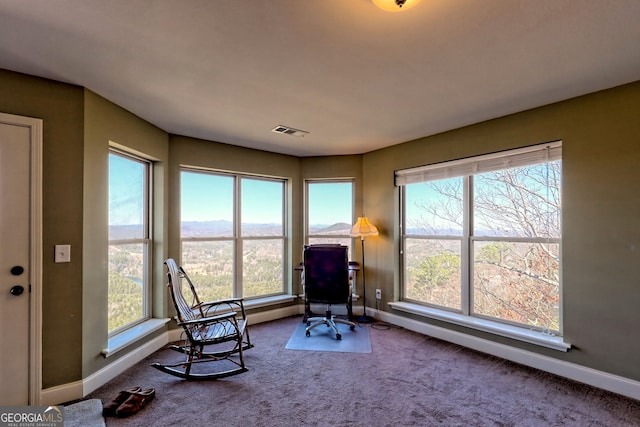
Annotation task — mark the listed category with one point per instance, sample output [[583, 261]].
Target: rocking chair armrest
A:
[[237, 301], [231, 304], [211, 319]]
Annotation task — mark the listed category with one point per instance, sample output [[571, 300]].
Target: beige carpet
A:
[[408, 379]]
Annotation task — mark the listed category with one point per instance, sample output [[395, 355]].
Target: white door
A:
[[15, 263]]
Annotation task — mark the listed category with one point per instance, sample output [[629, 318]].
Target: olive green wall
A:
[[601, 207], [60, 107], [601, 241], [107, 124], [349, 167]]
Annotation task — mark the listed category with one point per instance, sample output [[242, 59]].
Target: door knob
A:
[[17, 270], [17, 290]]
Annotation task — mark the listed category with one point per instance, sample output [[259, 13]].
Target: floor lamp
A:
[[362, 229]]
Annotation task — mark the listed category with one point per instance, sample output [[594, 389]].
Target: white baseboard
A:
[[278, 313], [120, 365], [61, 394], [78, 389], [593, 377]]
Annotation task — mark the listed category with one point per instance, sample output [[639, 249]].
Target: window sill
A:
[[131, 335], [532, 337], [267, 301]]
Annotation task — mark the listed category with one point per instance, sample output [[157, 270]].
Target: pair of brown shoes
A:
[[128, 402]]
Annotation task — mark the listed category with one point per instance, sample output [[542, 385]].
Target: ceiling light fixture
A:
[[395, 5]]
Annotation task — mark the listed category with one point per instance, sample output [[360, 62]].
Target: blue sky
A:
[[330, 203], [126, 187], [209, 197]]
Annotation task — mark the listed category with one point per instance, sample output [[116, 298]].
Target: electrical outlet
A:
[[378, 294]]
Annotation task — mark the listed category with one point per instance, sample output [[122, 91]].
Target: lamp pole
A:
[[361, 229], [364, 318]]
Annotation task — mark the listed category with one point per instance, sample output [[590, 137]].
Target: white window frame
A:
[[145, 241], [466, 168], [237, 239], [308, 237]]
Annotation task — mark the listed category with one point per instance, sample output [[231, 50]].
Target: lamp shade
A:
[[363, 228], [395, 5]]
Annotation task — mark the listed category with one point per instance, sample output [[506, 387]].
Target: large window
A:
[[481, 236], [233, 234], [329, 213], [128, 264]]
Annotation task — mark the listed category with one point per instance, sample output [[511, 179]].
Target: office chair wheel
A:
[[338, 336], [308, 333], [352, 327]]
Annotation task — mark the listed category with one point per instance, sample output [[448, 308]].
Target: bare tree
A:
[[514, 241]]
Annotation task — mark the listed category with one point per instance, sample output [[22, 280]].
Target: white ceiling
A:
[[355, 77]]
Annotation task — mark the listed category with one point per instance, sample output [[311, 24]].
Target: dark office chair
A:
[[326, 281]]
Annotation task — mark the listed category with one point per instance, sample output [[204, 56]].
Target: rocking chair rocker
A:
[[217, 325]]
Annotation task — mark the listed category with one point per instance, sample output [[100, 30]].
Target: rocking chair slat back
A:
[[183, 308]]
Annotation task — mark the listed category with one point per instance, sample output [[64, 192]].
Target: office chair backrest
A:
[[326, 273]]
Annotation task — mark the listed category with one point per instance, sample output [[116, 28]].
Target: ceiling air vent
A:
[[289, 131]]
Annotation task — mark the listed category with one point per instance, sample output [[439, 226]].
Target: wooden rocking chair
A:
[[217, 326]]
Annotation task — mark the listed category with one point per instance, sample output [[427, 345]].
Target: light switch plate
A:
[[63, 253]]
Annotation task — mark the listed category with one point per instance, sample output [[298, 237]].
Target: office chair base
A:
[[330, 321]]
